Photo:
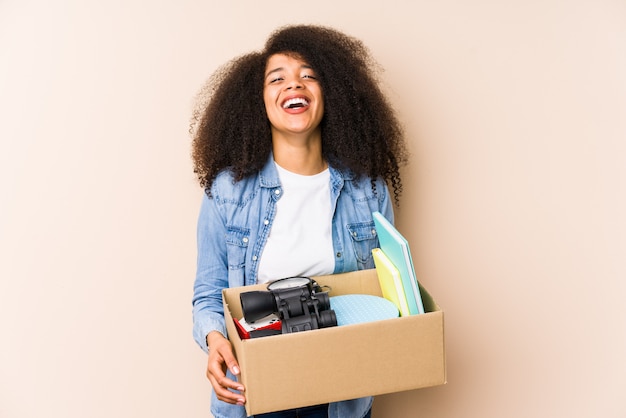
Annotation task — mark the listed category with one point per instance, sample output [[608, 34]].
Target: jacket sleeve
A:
[[211, 273]]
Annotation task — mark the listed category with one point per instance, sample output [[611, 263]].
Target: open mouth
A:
[[295, 103]]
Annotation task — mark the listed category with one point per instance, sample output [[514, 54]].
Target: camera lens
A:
[[256, 304]]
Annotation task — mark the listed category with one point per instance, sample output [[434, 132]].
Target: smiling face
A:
[[293, 97]]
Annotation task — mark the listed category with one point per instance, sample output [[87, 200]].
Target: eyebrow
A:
[[279, 69]]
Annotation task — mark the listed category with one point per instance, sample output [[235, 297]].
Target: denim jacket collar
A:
[[268, 176]]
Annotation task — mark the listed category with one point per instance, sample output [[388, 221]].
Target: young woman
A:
[[295, 147]]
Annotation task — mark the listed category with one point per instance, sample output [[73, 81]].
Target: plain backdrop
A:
[[515, 113]]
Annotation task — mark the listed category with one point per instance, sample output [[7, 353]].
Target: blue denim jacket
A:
[[233, 227]]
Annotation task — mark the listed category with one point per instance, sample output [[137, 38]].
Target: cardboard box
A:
[[338, 363]]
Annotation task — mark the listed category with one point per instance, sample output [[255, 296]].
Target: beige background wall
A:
[[514, 199]]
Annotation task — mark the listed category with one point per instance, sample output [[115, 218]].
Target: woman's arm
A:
[[208, 311], [211, 274]]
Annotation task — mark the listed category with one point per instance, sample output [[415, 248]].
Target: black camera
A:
[[299, 302]]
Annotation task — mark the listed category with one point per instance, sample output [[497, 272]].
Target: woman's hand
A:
[[221, 357]]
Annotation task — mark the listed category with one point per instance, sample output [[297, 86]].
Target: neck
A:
[[300, 155]]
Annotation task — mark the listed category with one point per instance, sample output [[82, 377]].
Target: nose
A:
[[294, 83]]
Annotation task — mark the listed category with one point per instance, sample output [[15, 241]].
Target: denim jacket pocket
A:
[[237, 239], [364, 240]]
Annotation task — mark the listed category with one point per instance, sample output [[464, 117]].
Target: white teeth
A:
[[295, 101]]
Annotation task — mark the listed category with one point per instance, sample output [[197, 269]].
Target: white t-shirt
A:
[[300, 241]]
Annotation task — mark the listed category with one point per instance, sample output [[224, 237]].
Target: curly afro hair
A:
[[360, 131]]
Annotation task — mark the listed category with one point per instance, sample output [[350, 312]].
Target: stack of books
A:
[[394, 267]]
